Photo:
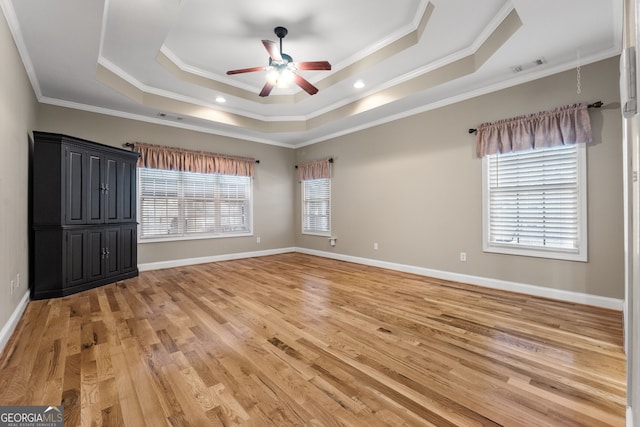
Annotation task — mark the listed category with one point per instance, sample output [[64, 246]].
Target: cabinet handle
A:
[[106, 188], [104, 252]]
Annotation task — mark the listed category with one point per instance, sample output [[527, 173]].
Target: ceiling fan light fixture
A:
[[281, 71], [280, 76], [286, 78], [273, 75]]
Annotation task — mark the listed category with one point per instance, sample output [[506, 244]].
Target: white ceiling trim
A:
[[342, 110], [504, 84], [16, 32], [406, 78], [120, 73], [159, 121]]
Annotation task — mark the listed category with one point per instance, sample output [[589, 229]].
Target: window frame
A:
[[181, 202], [579, 254], [303, 209]]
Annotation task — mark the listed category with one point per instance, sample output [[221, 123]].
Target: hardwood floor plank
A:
[[294, 339]]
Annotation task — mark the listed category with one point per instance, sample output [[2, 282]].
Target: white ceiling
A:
[[139, 59]]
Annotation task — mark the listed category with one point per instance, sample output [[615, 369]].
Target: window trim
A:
[[302, 194], [195, 236], [581, 254]]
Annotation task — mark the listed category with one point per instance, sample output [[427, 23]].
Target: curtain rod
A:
[[131, 145], [330, 161], [596, 104]]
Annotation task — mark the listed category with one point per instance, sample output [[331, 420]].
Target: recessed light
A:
[[358, 84], [220, 99]]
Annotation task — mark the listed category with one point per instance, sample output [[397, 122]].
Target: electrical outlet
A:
[[463, 256], [257, 239], [375, 246]]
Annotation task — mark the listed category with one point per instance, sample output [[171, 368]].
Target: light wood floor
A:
[[299, 340]]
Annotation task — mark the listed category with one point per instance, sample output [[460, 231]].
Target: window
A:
[[184, 205], [535, 203], [316, 206]]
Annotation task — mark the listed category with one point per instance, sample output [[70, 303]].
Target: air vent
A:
[[170, 117], [528, 65]]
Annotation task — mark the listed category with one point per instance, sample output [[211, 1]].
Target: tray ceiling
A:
[[165, 61]]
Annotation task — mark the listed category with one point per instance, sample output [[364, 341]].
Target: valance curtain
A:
[[315, 169], [170, 158], [565, 125]]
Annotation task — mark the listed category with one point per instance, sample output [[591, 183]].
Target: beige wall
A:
[[273, 185], [414, 187], [17, 119]]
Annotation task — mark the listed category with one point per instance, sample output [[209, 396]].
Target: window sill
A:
[[191, 237], [316, 234], [537, 253]]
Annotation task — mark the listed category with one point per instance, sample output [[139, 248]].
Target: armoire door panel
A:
[[95, 189], [128, 192], [96, 253], [112, 249], [129, 248], [76, 271], [112, 190], [75, 183]]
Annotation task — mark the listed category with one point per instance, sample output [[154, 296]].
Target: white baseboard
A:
[[215, 258], [629, 417], [11, 324], [523, 288], [557, 294], [576, 297]]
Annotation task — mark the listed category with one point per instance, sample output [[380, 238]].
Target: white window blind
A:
[[535, 202], [316, 206], [176, 204]]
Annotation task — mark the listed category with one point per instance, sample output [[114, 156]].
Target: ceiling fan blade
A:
[[266, 90], [272, 48], [313, 65], [246, 70], [304, 84]]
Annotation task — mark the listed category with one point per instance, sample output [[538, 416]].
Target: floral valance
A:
[[314, 169], [570, 124], [170, 158]]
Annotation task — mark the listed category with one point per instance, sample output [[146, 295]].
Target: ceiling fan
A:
[[281, 70]]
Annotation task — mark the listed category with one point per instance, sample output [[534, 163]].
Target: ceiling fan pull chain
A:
[[578, 77]]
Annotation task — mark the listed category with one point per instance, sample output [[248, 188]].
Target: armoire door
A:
[[75, 186], [128, 193], [129, 248], [96, 254], [112, 190], [76, 257], [112, 251]]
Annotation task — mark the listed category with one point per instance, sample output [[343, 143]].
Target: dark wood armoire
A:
[[84, 229]]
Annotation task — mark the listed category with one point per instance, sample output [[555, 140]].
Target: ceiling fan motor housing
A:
[[280, 32]]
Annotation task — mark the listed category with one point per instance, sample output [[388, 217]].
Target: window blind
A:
[[316, 216], [534, 199], [177, 203]]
